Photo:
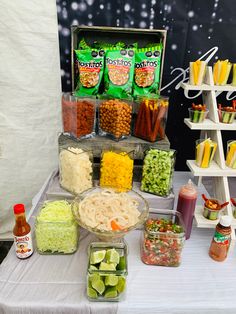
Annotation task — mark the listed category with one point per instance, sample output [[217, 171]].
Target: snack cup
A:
[[234, 209], [197, 72], [226, 116], [204, 153], [210, 213], [231, 154], [197, 116]]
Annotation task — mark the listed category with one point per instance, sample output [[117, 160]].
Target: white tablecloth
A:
[[56, 284]]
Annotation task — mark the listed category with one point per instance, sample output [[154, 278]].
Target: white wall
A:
[[30, 88]]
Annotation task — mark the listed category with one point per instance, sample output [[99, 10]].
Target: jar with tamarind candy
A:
[[150, 118], [115, 116]]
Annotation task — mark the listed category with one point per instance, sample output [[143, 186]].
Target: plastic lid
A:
[[189, 188], [19, 208], [225, 221]]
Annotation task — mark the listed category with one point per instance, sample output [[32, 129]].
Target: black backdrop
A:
[[196, 28]]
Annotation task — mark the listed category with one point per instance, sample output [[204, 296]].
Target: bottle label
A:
[[23, 246], [222, 239]]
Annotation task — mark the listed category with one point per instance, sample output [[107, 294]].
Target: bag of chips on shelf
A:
[[90, 64], [147, 70], [119, 71]]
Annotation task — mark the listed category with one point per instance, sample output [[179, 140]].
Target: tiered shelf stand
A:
[[218, 170]]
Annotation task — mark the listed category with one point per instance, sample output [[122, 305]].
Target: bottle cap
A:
[[19, 208], [225, 221]]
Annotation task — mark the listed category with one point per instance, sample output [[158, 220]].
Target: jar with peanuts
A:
[[115, 116]]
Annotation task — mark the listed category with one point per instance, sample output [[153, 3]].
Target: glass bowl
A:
[[110, 219]]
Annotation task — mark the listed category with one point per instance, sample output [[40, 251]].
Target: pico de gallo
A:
[[162, 242]]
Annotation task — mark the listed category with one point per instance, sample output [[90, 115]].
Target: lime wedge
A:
[[92, 293], [98, 285], [106, 266], [112, 256], [122, 264], [111, 280], [121, 284], [94, 277], [97, 256], [92, 267], [110, 292]]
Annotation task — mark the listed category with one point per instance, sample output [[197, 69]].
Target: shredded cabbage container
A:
[[56, 230]]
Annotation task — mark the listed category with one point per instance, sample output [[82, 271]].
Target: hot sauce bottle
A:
[[22, 233], [221, 240]]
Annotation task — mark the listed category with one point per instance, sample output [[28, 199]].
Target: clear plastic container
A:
[[205, 152], [79, 115], [115, 116], [151, 117], [158, 169], [56, 230], [107, 271], [197, 116], [163, 238], [212, 213], [117, 169], [76, 169], [226, 116], [233, 202], [231, 154]]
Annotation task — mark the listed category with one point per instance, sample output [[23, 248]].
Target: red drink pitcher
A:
[[186, 205]]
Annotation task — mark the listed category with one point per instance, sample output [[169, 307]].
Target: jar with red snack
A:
[[151, 116], [79, 115], [163, 238]]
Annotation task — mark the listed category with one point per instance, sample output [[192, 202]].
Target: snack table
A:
[[57, 283]]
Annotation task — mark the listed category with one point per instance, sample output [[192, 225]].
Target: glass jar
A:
[[151, 117], [158, 169], [117, 169], [76, 169], [79, 115], [163, 238], [115, 116], [107, 271], [56, 231]]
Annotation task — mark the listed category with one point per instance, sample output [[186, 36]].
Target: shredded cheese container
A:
[[116, 170], [76, 169]]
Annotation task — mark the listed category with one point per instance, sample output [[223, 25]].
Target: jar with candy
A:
[[117, 170], [221, 241], [115, 117], [151, 116], [163, 238]]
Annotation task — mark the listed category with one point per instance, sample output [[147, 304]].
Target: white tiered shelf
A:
[[212, 128], [208, 87], [208, 124]]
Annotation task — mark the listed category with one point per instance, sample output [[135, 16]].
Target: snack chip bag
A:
[[90, 64], [147, 70], [119, 71]]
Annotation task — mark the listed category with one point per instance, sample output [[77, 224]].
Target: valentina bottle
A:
[[221, 241], [186, 205], [22, 233]]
